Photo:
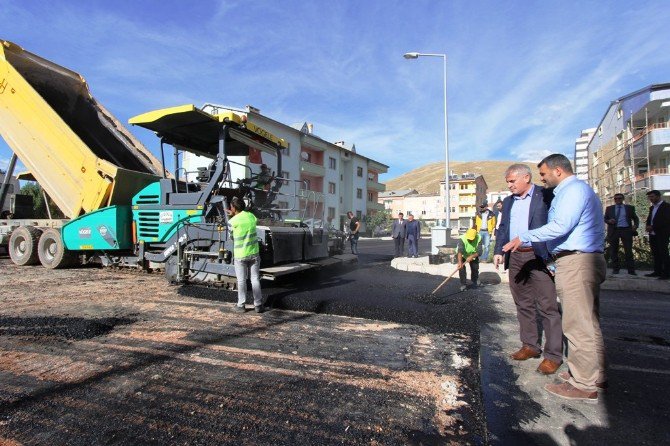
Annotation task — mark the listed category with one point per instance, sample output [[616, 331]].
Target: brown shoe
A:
[[524, 353], [570, 392], [565, 377], [548, 367]]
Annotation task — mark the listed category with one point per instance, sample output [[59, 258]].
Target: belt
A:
[[524, 249], [560, 254]]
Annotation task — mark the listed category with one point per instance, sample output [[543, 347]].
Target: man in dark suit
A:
[[658, 227], [530, 281], [622, 222], [399, 233]]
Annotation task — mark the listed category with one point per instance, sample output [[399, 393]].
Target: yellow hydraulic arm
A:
[[79, 153]]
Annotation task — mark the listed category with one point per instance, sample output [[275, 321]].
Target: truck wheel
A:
[[23, 245], [52, 252]]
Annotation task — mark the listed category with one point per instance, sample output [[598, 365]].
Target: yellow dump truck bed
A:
[[80, 154]]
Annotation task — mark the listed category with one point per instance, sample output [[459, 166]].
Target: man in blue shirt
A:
[[575, 237]]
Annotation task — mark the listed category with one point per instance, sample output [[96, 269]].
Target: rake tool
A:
[[449, 277]]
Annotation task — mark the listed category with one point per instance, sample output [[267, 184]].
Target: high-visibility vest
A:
[[470, 247], [244, 235]]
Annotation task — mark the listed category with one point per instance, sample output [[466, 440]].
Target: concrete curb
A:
[[489, 275]]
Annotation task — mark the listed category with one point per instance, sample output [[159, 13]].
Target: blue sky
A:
[[524, 77]]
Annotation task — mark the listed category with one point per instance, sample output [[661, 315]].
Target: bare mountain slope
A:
[[426, 179]]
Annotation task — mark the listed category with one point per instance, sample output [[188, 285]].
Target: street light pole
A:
[[446, 131]]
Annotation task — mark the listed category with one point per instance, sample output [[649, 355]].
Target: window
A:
[[359, 172], [331, 188], [358, 214], [283, 204], [359, 193], [332, 163], [286, 176], [307, 184], [371, 196], [331, 214]]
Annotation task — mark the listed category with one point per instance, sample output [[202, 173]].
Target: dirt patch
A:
[[93, 356]]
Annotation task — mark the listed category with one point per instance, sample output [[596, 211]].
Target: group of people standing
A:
[[622, 224], [551, 241], [409, 230], [553, 248]]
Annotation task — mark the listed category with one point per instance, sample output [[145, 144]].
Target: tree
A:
[[39, 208], [378, 222]]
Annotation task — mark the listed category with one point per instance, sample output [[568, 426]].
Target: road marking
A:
[[638, 369]]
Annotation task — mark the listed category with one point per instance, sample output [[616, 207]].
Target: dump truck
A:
[[121, 206]]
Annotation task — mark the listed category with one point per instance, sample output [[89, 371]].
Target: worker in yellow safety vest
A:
[[469, 246], [245, 254]]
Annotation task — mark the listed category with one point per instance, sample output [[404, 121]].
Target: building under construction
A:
[[629, 151]]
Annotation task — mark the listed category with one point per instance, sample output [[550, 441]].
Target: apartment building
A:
[[630, 151], [394, 200], [466, 193], [321, 180], [581, 159]]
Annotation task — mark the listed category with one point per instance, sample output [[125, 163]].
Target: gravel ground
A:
[[359, 355]]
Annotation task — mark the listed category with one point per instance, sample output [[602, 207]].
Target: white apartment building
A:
[[325, 179], [581, 160]]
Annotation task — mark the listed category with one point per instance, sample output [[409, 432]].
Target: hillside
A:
[[426, 179]]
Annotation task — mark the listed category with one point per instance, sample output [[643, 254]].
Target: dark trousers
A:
[[474, 272], [412, 246], [399, 246], [535, 302], [626, 237], [659, 250]]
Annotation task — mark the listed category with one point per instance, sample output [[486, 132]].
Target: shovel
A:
[[449, 277]]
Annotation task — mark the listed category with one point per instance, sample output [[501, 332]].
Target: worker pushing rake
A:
[[468, 251]]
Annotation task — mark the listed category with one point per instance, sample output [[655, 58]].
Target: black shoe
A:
[[632, 273], [238, 309], [260, 309], [615, 271], [652, 275]]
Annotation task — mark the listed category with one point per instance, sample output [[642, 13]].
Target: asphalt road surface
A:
[[361, 355]]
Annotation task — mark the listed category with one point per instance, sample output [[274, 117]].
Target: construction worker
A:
[[245, 254], [262, 186], [485, 224], [469, 246], [263, 178]]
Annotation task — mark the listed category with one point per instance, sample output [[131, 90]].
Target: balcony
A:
[[306, 195], [657, 136], [373, 185], [312, 169], [377, 167]]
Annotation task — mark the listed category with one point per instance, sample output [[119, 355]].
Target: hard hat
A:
[[471, 234]]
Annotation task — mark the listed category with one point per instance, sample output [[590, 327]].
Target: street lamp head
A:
[[411, 55]]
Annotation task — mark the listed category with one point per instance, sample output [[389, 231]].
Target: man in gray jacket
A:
[[399, 232]]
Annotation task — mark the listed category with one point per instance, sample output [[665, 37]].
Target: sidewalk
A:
[[520, 412], [488, 275]]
